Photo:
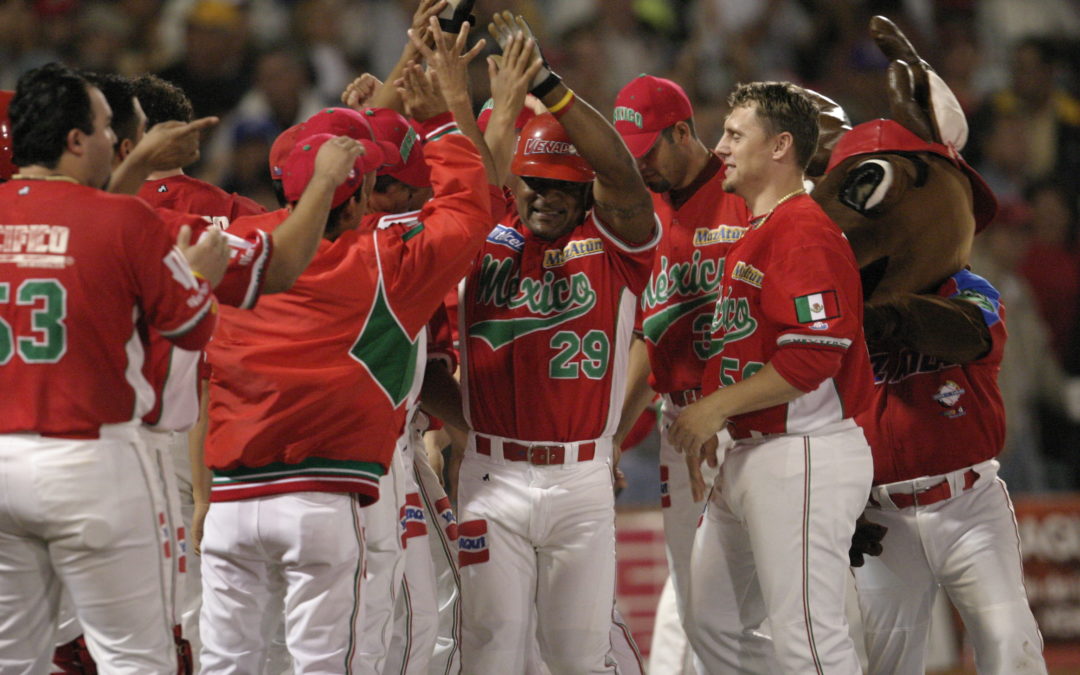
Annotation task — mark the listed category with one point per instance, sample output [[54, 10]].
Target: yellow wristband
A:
[[563, 102]]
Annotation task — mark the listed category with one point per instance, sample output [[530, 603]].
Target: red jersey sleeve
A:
[[813, 296], [429, 258], [250, 250], [633, 262], [174, 301]]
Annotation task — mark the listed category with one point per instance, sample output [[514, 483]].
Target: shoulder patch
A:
[[721, 234], [508, 237], [820, 306], [747, 273]]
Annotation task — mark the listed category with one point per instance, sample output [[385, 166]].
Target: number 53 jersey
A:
[[546, 329]]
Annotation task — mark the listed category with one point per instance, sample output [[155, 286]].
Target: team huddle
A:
[[186, 373]]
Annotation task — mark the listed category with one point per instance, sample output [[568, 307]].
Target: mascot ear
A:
[[874, 185]]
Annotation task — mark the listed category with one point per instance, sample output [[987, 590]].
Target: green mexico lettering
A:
[[556, 300], [733, 316], [693, 277]]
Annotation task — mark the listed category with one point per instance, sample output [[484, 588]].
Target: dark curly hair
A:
[[162, 101], [49, 102]]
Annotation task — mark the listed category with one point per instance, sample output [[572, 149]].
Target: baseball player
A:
[[554, 286], [82, 272], [315, 449], [172, 370], [789, 372], [949, 517], [701, 221]]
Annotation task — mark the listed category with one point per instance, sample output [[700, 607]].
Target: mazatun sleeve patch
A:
[[820, 306]]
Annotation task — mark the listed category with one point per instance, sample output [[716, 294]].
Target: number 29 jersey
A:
[[546, 329]]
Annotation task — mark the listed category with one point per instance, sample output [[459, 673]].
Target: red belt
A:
[[684, 397], [541, 455], [933, 494]]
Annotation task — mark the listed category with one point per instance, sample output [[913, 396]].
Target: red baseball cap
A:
[[484, 117], [646, 106], [300, 166], [348, 122], [391, 127], [280, 150], [545, 151]]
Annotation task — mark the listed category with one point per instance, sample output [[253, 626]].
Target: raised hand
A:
[[171, 145], [447, 61], [336, 158], [425, 12], [420, 93], [209, 257], [504, 27], [512, 74], [359, 91]]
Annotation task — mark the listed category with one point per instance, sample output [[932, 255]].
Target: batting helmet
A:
[[7, 168], [545, 151]]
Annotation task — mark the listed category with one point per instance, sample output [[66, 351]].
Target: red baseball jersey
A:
[[81, 273], [309, 390], [919, 402], [173, 372], [545, 327], [700, 222], [191, 195], [791, 295]]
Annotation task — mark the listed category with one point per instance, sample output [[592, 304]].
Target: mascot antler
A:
[[918, 98]]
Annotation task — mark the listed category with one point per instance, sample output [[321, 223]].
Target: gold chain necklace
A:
[[790, 195]]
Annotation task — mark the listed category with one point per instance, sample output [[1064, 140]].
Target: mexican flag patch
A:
[[817, 307]]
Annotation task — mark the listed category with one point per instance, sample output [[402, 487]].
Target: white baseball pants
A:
[[303, 549], [540, 536], [442, 541], [969, 545], [774, 545], [82, 515], [416, 615]]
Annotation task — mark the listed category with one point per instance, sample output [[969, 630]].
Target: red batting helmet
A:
[[7, 168], [545, 151]]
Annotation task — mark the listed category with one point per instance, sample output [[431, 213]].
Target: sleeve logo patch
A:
[[507, 237], [749, 274], [473, 543], [820, 306], [557, 257]]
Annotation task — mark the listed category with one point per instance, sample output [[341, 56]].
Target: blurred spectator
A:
[[1050, 115], [1051, 264], [322, 39], [246, 173], [1001, 24], [1031, 376], [282, 96], [103, 35], [217, 65]]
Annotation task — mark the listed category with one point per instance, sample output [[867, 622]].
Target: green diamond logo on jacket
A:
[[556, 300], [387, 351]]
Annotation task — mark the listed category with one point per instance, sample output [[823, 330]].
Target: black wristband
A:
[[453, 25], [550, 82]]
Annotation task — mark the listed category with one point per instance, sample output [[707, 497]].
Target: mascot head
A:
[[899, 189]]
